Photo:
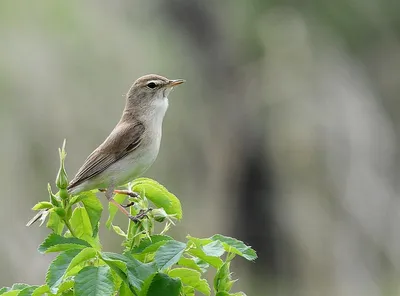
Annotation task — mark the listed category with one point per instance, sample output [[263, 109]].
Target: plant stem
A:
[[69, 227]]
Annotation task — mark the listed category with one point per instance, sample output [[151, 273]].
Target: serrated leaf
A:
[[58, 267], [238, 294], [236, 246], [199, 253], [169, 254], [94, 208], [82, 256], [55, 223], [94, 281], [65, 286], [27, 291], [136, 271], [162, 284], [190, 263], [191, 278], [57, 243], [159, 196], [119, 266], [80, 223], [147, 245], [199, 241], [3, 290], [214, 248], [11, 293], [19, 286], [41, 290], [42, 205], [112, 209]]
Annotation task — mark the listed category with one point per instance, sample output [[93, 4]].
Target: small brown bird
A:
[[132, 146]]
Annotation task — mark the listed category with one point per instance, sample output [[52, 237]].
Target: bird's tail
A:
[[39, 215]]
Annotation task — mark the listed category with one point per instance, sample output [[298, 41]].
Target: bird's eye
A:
[[151, 85]]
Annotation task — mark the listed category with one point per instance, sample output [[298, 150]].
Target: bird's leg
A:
[[109, 192], [125, 192]]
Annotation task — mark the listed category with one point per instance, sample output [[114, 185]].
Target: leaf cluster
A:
[[151, 263]]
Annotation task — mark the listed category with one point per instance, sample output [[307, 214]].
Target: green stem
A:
[[69, 227]]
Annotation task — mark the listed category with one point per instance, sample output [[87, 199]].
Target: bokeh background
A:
[[286, 134]]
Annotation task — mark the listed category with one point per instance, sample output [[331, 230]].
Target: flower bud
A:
[[159, 214], [62, 178]]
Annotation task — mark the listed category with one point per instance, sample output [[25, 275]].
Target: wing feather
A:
[[123, 139]]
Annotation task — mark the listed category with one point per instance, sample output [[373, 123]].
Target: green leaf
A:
[[19, 286], [78, 198], [83, 256], [136, 272], [223, 293], [80, 223], [125, 291], [159, 196], [27, 291], [57, 243], [199, 253], [42, 205], [94, 209], [199, 241], [162, 284], [188, 291], [146, 245], [58, 267], [119, 266], [112, 209], [65, 286], [191, 278], [3, 290], [238, 294], [11, 293], [118, 230], [94, 281], [233, 245], [169, 254], [214, 248], [55, 223], [41, 290], [149, 246], [190, 263]]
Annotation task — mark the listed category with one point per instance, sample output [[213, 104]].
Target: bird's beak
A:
[[175, 82]]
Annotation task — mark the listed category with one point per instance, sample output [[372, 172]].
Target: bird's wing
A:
[[123, 139]]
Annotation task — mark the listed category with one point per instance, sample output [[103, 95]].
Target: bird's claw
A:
[[141, 215]]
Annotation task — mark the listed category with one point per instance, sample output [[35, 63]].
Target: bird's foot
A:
[[141, 215]]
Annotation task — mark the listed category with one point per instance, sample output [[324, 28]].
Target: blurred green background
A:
[[285, 135]]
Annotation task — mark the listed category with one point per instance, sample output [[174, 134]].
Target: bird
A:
[[133, 144]]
